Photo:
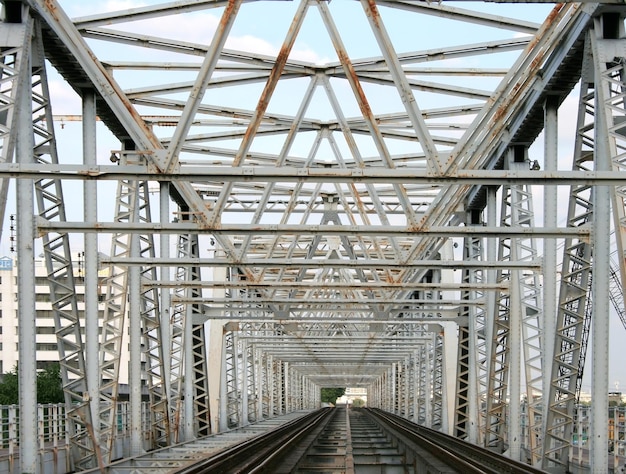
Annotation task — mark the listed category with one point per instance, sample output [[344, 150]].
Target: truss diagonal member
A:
[[199, 87], [280, 161], [145, 140], [14, 47], [359, 95], [616, 119], [402, 83], [474, 151], [440, 10], [61, 277], [262, 104]]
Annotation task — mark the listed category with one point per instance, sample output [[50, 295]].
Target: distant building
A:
[[353, 394], [45, 339]]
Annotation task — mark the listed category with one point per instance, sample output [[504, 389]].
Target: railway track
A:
[[354, 441]]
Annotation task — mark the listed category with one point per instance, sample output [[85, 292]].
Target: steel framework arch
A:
[[317, 163]]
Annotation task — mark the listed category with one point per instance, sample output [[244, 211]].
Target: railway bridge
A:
[[274, 197]]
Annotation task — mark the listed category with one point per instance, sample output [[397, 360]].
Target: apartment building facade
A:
[[46, 341]]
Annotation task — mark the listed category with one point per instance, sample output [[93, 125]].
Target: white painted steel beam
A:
[[321, 184]]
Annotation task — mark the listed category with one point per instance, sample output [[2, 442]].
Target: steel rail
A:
[[453, 449], [258, 452]]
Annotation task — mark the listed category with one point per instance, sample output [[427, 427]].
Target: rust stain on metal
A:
[[537, 61], [362, 99], [417, 228], [375, 14]]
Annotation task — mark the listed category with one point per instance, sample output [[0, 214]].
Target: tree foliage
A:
[[49, 386], [9, 388], [330, 395]]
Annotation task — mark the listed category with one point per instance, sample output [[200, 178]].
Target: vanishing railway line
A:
[[354, 440]]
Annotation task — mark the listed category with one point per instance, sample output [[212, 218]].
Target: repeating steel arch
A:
[[349, 190]]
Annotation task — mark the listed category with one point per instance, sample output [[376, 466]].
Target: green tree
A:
[[9, 394], [49, 386], [330, 395]]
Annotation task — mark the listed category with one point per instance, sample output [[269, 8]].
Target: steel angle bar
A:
[[450, 52], [468, 16], [323, 300], [285, 229], [146, 12], [312, 284], [435, 87], [139, 132], [266, 95], [406, 175], [417, 317], [277, 262]]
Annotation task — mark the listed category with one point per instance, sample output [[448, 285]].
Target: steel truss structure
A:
[[346, 196]]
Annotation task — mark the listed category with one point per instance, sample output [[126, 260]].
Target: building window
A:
[[45, 330], [46, 347]]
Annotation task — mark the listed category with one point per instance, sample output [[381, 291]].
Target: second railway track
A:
[[354, 440]]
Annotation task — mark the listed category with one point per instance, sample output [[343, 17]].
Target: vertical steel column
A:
[[231, 379], [250, 374], [550, 274], [514, 431], [223, 410], [422, 391], [112, 335], [429, 397], [245, 409], [497, 391], [176, 336], [408, 384], [188, 368], [214, 331], [415, 385], [268, 395], [439, 401], [608, 84], [471, 345], [26, 279], [287, 387], [259, 382], [201, 411], [90, 211], [134, 320], [391, 388], [490, 314], [165, 303]]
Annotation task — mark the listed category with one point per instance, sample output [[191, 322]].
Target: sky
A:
[[255, 31]]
